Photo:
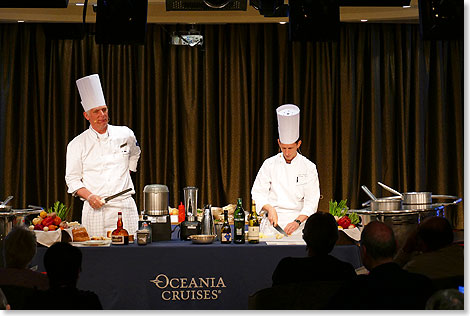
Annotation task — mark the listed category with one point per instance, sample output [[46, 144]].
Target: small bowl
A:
[[202, 239]]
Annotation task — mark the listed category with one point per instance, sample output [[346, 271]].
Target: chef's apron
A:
[[284, 217], [99, 222]]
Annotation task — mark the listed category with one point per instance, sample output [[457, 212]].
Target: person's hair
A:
[[19, 248], [63, 264], [379, 240], [436, 232], [320, 233], [449, 299]]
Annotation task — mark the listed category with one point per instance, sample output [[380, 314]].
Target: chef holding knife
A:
[[98, 165], [286, 186]]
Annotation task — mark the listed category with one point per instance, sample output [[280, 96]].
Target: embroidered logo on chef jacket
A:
[[301, 179]]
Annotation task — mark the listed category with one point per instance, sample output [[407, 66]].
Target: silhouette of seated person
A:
[[63, 265], [17, 281], [387, 286], [430, 250], [309, 282], [449, 299]]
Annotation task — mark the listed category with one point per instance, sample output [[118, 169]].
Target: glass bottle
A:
[[226, 231], [253, 225], [120, 236], [239, 223]]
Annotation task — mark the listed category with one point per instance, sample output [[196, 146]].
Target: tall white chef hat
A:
[[90, 91], [288, 121]]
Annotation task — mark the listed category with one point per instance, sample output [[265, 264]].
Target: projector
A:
[[187, 39]]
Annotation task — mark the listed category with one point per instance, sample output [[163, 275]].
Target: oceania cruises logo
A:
[[184, 289]]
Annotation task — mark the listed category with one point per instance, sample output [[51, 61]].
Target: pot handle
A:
[[441, 196]]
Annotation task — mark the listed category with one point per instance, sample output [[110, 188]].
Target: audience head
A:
[[19, 238], [378, 244], [434, 233], [320, 233], [449, 299], [63, 264]]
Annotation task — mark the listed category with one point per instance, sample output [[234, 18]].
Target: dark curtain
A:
[[378, 105]]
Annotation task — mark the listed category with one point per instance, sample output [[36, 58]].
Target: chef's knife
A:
[[279, 229], [106, 200]]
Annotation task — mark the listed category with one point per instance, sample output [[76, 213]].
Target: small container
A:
[[142, 236]]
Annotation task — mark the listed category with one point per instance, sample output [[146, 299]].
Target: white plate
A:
[[92, 243]]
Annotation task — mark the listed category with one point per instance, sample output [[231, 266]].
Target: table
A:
[[180, 275]]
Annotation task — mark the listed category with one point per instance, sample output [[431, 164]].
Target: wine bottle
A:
[[120, 236], [253, 225], [226, 231], [239, 223]]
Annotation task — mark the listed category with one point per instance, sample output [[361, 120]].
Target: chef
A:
[[98, 165], [287, 185]]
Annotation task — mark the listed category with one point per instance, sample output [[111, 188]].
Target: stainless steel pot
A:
[[385, 204], [156, 199], [13, 218]]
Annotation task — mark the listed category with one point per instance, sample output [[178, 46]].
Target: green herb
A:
[[60, 209], [338, 209], [354, 218]]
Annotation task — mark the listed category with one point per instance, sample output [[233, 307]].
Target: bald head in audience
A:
[[378, 244]]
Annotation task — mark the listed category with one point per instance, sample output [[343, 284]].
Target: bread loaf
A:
[[80, 234]]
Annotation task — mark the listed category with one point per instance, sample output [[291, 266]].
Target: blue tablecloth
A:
[[181, 275]]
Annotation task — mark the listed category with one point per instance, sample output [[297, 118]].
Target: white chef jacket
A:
[[101, 163], [292, 189]]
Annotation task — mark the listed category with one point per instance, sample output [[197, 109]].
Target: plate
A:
[[92, 243]]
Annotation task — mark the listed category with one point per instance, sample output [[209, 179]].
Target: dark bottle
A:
[[253, 225], [239, 223], [120, 236], [226, 231]]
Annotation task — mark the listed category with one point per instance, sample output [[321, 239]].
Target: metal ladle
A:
[[386, 187], [8, 199]]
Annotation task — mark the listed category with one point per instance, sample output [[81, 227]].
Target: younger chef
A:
[[287, 185], [99, 162]]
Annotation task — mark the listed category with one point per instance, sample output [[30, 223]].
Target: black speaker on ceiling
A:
[[121, 21], [314, 20], [441, 19]]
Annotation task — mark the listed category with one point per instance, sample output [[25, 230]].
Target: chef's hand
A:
[[272, 214], [95, 201], [291, 227]]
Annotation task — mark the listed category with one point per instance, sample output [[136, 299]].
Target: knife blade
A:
[[279, 229], [106, 200]]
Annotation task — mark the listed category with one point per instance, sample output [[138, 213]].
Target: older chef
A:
[[287, 185], [99, 162]]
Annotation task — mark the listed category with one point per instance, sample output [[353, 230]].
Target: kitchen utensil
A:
[[389, 189], [207, 225], [156, 201], [35, 207], [202, 239], [363, 187], [109, 198], [279, 229], [384, 204], [8, 199], [190, 203], [13, 218]]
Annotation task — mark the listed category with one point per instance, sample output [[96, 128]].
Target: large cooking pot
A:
[[10, 218]]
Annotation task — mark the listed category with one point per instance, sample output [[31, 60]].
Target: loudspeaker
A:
[[314, 20], [121, 21], [441, 19]]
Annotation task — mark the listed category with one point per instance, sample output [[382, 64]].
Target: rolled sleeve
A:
[[312, 192], [134, 152], [74, 168]]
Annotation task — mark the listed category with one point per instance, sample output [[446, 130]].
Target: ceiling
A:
[[157, 14]]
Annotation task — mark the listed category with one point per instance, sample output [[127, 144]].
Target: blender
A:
[[190, 226]]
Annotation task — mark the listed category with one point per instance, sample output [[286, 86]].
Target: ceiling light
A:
[[363, 20], [282, 22], [80, 4], [406, 6], [20, 21]]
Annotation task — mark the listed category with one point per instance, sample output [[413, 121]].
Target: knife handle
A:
[[103, 201]]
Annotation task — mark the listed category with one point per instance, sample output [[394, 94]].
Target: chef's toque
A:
[[90, 91], [288, 121]]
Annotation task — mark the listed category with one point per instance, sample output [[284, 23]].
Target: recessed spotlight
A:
[[363, 20], [406, 6], [80, 4], [282, 22], [20, 21]]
